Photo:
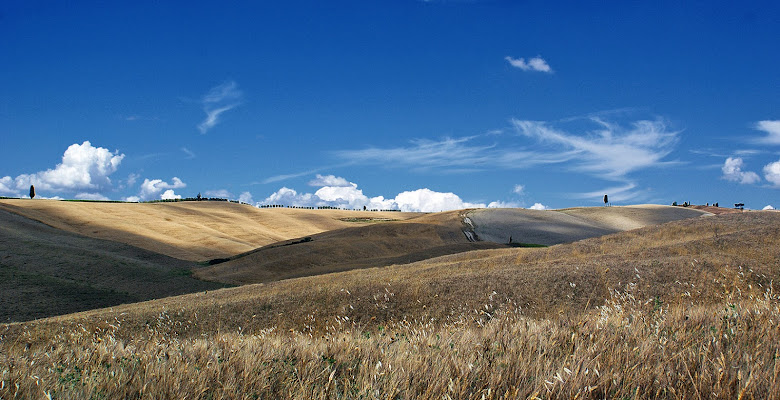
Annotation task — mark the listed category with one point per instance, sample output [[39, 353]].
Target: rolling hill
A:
[[678, 310], [194, 231], [375, 245], [569, 225], [46, 271]]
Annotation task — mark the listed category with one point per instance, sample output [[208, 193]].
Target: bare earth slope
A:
[[194, 231], [368, 246], [551, 227], [45, 271]]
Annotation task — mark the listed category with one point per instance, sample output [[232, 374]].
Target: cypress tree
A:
[[32, 191]]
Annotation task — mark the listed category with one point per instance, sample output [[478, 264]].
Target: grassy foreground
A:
[[628, 349]]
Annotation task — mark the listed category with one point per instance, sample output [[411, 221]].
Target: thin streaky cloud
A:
[[533, 64], [188, 152], [212, 118], [284, 177], [451, 154], [612, 152], [227, 91], [609, 152], [218, 100]]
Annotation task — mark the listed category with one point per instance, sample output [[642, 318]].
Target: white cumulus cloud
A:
[[772, 173], [83, 167], [330, 180], [733, 171], [150, 189], [772, 128], [246, 197], [169, 195], [347, 195], [504, 204], [533, 64], [768, 207], [7, 187], [538, 206], [427, 200]]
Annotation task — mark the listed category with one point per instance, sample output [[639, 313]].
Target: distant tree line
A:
[[688, 204]]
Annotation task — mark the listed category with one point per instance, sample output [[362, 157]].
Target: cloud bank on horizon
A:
[[338, 192]]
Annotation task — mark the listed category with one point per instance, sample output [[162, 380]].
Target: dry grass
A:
[[194, 231], [683, 310], [366, 246], [46, 271], [627, 348]]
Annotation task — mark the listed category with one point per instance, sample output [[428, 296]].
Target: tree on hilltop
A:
[[32, 191]]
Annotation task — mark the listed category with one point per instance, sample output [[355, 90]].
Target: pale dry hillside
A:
[[195, 231], [46, 271], [686, 259], [551, 227], [373, 245], [430, 236]]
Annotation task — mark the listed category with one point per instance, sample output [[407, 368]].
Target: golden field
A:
[[684, 309]]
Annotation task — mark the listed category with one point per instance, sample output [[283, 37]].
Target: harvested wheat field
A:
[[194, 231], [685, 309]]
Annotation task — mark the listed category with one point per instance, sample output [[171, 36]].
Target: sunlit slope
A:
[[195, 231], [46, 271], [551, 227], [636, 216], [375, 245], [692, 260]]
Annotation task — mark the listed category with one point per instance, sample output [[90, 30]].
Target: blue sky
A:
[[419, 105]]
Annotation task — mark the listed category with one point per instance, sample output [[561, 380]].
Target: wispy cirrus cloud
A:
[[610, 152], [190, 154], [218, 100], [452, 155], [284, 177], [533, 64]]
